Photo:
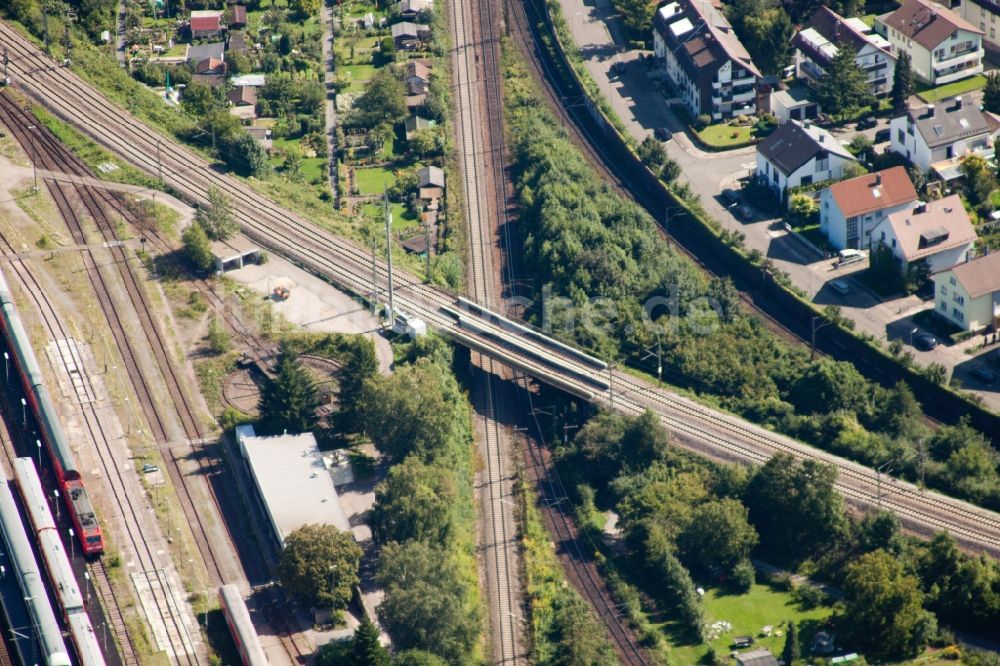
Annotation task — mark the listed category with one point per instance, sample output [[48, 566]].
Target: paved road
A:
[[639, 101]]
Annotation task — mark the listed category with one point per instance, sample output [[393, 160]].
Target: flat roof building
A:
[[293, 482]]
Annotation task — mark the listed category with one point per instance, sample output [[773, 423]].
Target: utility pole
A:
[[611, 384], [34, 156], [666, 224], [374, 235], [659, 360], [6, 61], [45, 21], [159, 165], [566, 428], [427, 237], [388, 255]]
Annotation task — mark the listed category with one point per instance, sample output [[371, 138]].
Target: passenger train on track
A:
[[234, 609], [71, 487]]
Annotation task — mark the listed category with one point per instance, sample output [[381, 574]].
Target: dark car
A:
[[662, 133], [924, 341], [744, 212], [883, 135], [867, 123], [731, 197], [983, 374]]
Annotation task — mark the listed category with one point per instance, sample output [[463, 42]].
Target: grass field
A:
[[929, 94], [401, 217], [373, 180], [360, 75], [726, 136], [748, 613]]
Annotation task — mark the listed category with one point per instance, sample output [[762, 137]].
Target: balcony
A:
[[961, 71], [958, 58]]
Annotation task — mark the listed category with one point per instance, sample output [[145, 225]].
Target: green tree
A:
[[360, 365], [418, 658], [844, 86], [415, 501], [637, 15], [580, 639], [288, 401], [672, 582], [792, 651], [200, 99], [991, 93], [718, 533], [198, 247], [365, 648], [801, 209], [383, 101], [670, 171], [218, 337], [652, 153], [216, 217], [979, 179], [319, 566], [768, 38], [794, 507], [883, 608], [902, 82], [880, 531], [425, 605], [830, 386], [245, 156]]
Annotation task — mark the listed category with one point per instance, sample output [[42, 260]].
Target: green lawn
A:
[[360, 75], [929, 94], [373, 180], [726, 136], [869, 19], [748, 613], [401, 217]]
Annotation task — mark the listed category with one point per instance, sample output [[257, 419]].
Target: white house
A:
[[968, 295], [820, 40], [793, 104], [938, 136], [850, 209], [943, 46], [800, 154], [711, 69], [981, 13], [938, 232]]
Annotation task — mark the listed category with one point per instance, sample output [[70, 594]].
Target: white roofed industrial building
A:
[[293, 482]]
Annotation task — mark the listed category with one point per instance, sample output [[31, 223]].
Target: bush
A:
[[702, 121], [808, 596], [742, 576]]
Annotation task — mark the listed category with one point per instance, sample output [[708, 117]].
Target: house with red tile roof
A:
[[850, 209], [205, 24], [943, 46]]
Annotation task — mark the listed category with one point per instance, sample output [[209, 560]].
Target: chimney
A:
[[806, 124], [821, 137], [958, 102], [930, 110], [878, 178], [921, 207]]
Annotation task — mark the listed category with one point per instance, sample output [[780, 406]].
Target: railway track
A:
[[347, 265], [102, 204]]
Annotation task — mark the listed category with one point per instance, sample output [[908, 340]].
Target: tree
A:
[[425, 605], [414, 502], [216, 217], [672, 582], [218, 337], [719, 533], [418, 658], [794, 507], [880, 531], [860, 145], [883, 608], [991, 93], [384, 100], [245, 156], [579, 637], [670, 171], [200, 99], [902, 82], [801, 209], [288, 401], [365, 648], [767, 35], [319, 566], [198, 247], [792, 651], [360, 365], [637, 15], [652, 153], [979, 179], [843, 86], [831, 386]]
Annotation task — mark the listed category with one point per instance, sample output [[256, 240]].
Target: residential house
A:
[[252, 80], [198, 52], [243, 101], [826, 32], [210, 66], [939, 233], [411, 9], [761, 657], [237, 17], [982, 13], [237, 42], [205, 24], [937, 136], [943, 46], [416, 76], [415, 124], [414, 102], [261, 135], [968, 294], [850, 209], [800, 154], [712, 71], [407, 36], [793, 104], [431, 183]]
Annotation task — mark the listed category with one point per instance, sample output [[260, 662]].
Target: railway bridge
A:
[[713, 433]]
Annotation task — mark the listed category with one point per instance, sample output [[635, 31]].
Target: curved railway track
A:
[[350, 267]]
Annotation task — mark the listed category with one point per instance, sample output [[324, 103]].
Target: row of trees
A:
[[684, 517]]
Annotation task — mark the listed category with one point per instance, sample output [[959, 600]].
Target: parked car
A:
[[663, 134], [883, 135], [840, 287], [744, 212], [867, 123], [925, 341], [731, 197], [849, 256], [983, 374]]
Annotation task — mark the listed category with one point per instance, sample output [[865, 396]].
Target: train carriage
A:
[[234, 609], [88, 648], [22, 561]]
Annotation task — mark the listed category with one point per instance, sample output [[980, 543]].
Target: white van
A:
[[849, 256]]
